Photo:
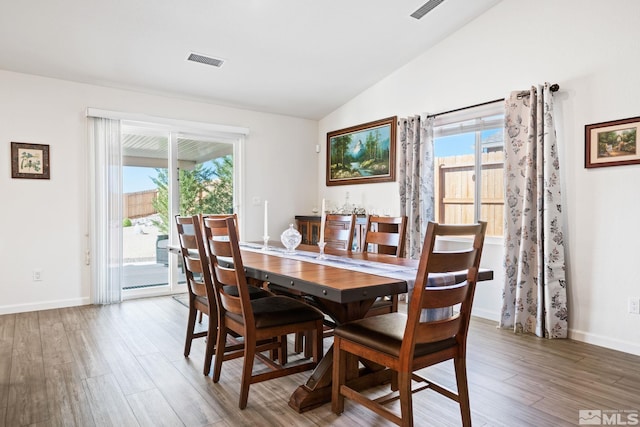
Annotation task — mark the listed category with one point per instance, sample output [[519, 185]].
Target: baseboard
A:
[[607, 342], [43, 305], [485, 314], [577, 335]]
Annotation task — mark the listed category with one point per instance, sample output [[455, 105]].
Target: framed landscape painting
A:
[[29, 160], [613, 143], [362, 154]]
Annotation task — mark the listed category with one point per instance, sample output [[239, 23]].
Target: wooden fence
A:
[[139, 204], [455, 183]]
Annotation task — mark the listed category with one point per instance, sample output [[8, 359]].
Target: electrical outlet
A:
[[37, 275], [634, 305]]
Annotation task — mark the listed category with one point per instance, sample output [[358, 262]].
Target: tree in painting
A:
[[29, 162], [360, 154], [617, 143]]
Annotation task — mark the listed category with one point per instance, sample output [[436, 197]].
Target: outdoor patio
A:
[[141, 268]]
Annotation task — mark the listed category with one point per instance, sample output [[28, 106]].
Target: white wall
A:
[[44, 221], [590, 49]]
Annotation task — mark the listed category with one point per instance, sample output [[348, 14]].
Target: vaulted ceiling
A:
[[295, 57]]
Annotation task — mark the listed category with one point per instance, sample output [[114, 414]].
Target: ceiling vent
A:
[[214, 62], [426, 8]]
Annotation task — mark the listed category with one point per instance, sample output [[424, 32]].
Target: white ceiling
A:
[[295, 57]]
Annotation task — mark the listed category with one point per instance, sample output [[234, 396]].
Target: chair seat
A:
[[279, 310], [384, 333]]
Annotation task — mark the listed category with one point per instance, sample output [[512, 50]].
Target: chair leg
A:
[[308, 350], [318, 350], [394, 380], [191, 324], [200, 318], [406, 401], [247, 368], [338, 377], [298, 342], [463, 390], [394, 303], [210, 345], [284, 357], [220, 349]]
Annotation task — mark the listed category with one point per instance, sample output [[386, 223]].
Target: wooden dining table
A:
[[343, 294]]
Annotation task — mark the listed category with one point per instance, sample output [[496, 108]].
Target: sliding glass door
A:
[[167, 172]]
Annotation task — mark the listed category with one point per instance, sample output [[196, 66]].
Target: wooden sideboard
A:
[[309, 227]]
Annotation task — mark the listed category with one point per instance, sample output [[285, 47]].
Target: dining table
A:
[[344, 285]]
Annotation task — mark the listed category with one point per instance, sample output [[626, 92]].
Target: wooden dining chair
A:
[[385, 235], [264, 323], [339, 231], [200, 285], [235, 219], [406, 343]]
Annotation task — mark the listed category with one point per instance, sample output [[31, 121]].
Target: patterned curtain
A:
[[416, 178], [534, 296]]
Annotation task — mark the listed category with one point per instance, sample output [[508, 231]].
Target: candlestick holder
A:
[[265, 245], [321, 246]]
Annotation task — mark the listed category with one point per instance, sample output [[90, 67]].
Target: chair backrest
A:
[[387, 234], [433, 297], [221, 216], [194, 258], [338, 231], [221, 241]]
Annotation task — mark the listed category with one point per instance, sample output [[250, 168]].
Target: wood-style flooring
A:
[[122, 365]]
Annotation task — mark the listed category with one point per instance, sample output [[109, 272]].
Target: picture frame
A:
[[29, 161], [362, 154], [612, 143]]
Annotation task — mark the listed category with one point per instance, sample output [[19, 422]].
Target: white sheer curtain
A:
[[534, 295], [416, 178], [105, 165]]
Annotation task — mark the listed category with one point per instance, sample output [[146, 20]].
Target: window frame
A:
[[474, 119]]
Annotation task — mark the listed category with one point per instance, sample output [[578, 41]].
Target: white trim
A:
[[173, 124], [486, 314], [603, 341], [43, 305]]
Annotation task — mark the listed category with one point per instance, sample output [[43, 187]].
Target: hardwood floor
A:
[[122, 365]]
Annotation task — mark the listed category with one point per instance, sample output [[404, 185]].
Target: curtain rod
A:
[[554, 88]]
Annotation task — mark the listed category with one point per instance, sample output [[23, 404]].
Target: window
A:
[[469, 165]]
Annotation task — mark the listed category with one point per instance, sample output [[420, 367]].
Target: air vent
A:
[[215, 62], [426, 8]]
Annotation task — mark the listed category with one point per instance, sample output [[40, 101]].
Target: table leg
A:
[[317, 390]]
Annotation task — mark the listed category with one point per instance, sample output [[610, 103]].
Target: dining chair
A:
[[200, 285], [235, 219], [406, 343], [339, 231], [385, 235], [264, 323]]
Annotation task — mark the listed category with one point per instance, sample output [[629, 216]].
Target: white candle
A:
[[323, 219], [266, 221]]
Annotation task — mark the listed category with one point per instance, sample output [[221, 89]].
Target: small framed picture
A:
[[613, 143], [29, 160]]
